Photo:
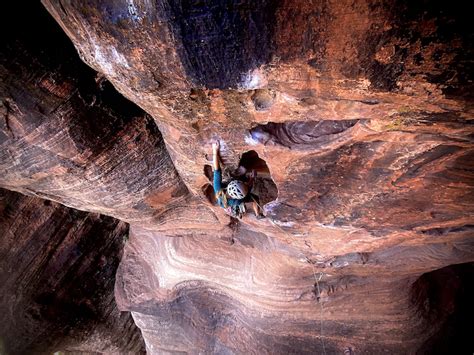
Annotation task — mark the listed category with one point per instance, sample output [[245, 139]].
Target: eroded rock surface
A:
[[68, 136], [370, 78], [360, 114], [244, 292], [57, 274]]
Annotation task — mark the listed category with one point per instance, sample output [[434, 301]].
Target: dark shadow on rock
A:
[[264, 186], [447, 294], [301, 134], [221, 42], [57, 276]]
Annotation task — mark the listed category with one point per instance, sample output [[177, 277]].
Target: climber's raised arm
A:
[[215, 156]]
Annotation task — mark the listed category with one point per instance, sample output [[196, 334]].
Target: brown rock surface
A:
[[362, 113], [206, 294], [57, 274], [68, 136], [313, 90]]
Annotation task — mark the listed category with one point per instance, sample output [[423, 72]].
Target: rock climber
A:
[[236, 194]]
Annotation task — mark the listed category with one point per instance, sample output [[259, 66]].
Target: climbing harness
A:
[[236, 211]]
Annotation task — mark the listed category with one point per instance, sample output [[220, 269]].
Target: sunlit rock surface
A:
[[357, 117]]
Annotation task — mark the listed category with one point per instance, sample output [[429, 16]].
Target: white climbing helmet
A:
[[237, 189]]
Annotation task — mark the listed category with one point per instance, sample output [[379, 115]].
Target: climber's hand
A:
[[215, 146]]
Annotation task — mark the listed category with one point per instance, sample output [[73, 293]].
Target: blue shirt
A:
[[218, 187]]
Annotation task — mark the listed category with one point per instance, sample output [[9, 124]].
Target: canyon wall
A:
[[357, 117], [57, 274]]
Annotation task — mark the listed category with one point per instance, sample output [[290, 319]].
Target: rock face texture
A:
[[357, 116], [369, 107], [57, 272], [201, 293], [68, 136]]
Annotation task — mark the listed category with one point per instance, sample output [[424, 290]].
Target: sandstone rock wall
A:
[[357, 116], [68, 136], [371, 71], [57, 274]]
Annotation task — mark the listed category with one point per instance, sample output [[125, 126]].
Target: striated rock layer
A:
[[357, 116], [57, 272], [68, 136], [207, 294]]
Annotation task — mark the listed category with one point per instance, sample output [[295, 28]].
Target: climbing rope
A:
[[320, 304], [308, 260]]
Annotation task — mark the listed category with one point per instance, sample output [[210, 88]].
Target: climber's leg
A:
[[256, 206]]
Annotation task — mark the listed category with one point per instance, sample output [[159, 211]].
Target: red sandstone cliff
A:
[[357, 116]]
